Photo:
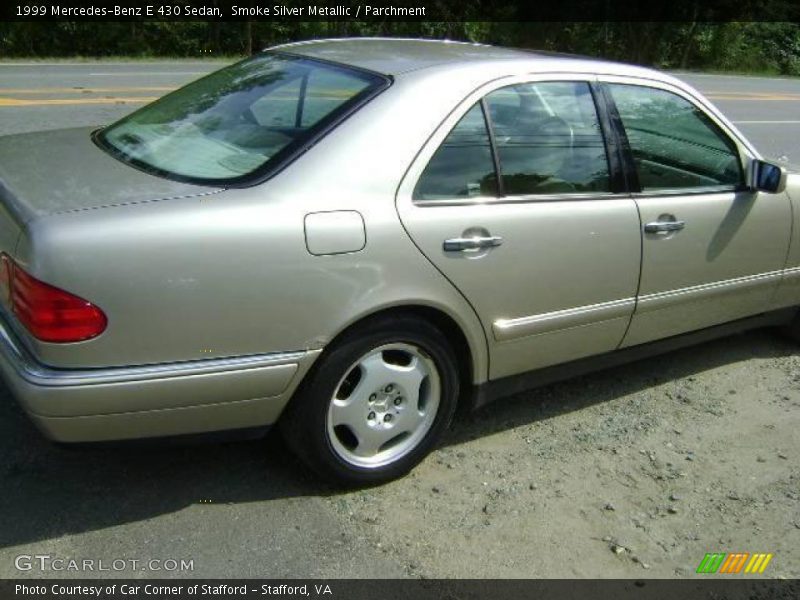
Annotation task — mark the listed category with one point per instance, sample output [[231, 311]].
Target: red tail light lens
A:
[[49, 313]]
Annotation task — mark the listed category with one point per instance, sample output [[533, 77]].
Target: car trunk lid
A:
[[60, 171]]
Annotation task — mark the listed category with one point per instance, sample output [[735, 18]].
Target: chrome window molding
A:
[[698, 191], [478, 200]]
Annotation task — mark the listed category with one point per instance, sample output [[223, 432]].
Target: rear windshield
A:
[[240, 121]]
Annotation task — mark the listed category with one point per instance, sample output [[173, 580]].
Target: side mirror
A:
[[767, 177]]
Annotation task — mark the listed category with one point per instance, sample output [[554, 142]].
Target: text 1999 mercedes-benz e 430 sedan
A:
[[349, 237]]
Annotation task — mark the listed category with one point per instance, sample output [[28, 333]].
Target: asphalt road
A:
[[248, 509], [37, 96]]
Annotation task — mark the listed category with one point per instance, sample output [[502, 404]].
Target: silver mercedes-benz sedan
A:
[[349, 238]]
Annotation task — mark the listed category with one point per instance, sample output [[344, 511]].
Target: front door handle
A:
[[471, 243], [664, 226]]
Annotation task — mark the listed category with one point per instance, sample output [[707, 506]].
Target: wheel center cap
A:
[[381, 404]]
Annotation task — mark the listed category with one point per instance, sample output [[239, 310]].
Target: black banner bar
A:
[[434, 589], [385, 11]]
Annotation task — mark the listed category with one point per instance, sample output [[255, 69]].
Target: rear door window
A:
[[545, 136], [548, 139]]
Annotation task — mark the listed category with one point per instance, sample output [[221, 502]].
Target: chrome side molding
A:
[[509, 329]]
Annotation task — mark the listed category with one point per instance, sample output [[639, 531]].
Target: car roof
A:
[[395, 56]]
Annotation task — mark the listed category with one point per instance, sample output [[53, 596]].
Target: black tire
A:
[[792, 330], [304, 423]]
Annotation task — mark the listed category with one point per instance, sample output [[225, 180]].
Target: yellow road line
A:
[[73, 101], [82, 90]]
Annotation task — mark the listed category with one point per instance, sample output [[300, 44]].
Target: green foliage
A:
[[771, 47]]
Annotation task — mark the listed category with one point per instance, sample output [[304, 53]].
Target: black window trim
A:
[[625, 176], [629, 164], [282, 158], [488, 123]]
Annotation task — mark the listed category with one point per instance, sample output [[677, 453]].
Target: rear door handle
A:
[[664, 226], [471, 243]]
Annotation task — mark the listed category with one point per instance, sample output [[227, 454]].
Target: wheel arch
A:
[[468, 339], [472, 354]]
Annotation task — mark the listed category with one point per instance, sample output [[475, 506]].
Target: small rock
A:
[[645, 565], [533, 486], [674, 497], [435, 490], [672, 510], [783, 456], [609, 506], [486, 509], [733, 496], [617, 549], [607, 538], [761, 459]]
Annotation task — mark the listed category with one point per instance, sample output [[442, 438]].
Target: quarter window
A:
[[462, 166], [675, 145]]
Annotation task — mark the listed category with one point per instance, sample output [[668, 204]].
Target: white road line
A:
[[730, 76], [765, 122]]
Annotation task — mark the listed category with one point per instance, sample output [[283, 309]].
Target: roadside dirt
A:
[[633, 472]]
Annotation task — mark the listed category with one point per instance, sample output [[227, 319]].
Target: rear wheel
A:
[[376, 403]]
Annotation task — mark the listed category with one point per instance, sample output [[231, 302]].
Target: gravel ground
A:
[[642, 468]]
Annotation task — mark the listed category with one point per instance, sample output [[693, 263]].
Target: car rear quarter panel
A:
[[229, 273]]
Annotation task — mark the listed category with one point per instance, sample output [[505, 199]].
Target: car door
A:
[[712, 251], [514, 199]]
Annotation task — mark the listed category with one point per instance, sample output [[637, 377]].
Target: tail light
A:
[[49, 313]]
